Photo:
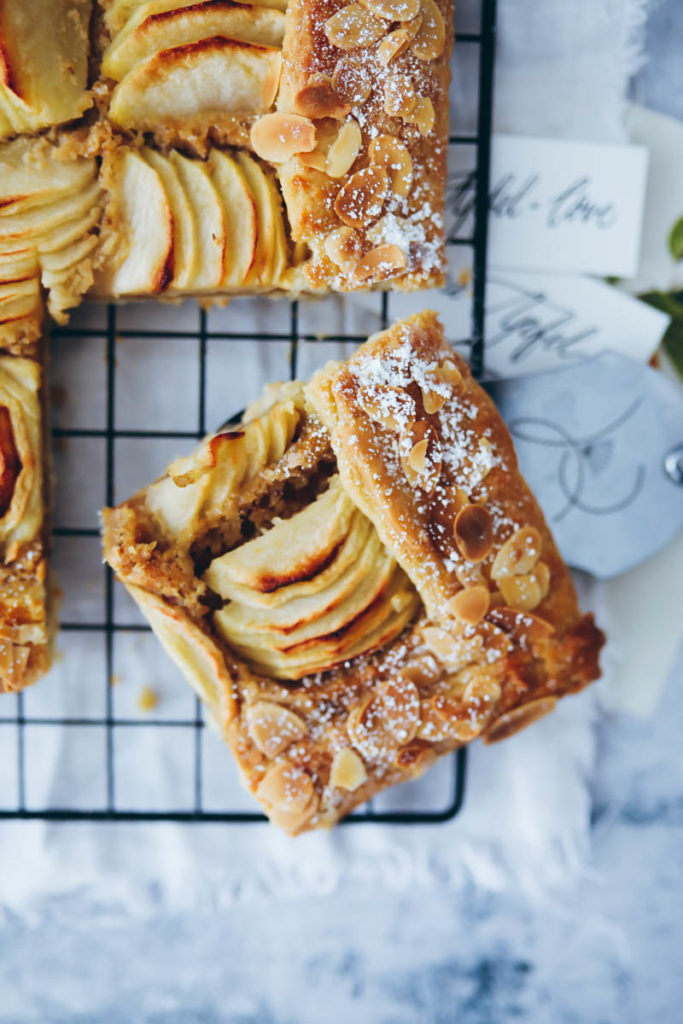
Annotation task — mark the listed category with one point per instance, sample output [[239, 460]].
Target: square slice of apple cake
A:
[[356, 578]]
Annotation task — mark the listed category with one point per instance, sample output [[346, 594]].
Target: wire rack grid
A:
[[84, 719]]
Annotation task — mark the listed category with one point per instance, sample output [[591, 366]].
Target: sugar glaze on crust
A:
[[247, 554]]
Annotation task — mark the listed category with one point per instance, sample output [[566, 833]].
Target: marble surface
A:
[[605, 951]]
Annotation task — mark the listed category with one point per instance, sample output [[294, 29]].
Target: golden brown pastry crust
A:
[[496, 639], [377, 94]]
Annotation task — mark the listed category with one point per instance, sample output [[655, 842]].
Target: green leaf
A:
[[676, 240], [672, 304], [672, 343]]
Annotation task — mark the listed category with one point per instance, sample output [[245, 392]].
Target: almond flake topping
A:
[[391, 154], [473, 532], [344, 150], [422, 115], [354, 26], [319, 99], [380, 263], [399, 97], [287, 788], [278, 137], [344, 247], [351, 80], [431, 39], [470, 605], [421, 455], [273, 727], [398, 41], [518, 555], [523, 592], [359, 202], [348, 771]]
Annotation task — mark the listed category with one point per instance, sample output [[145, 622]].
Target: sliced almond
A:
[[473, 532], [348, 771], [273, 727], [470, 605], [344, 150], [512, 721], [401, 707], [380, 263], [278, 137], [481, 688], [422, 115], [415, 758], [318, 99], [359, 202], [519, 554], [316, 159], [399, 97], [431, 39], [344, 247], [393, 10], [449, 373], [524, 627], [433, 401], [286, 788], [439, 721], [397, 41], [391, 406], [440, 643], [354, 26], [385, 719], [542, 574], [391, 154], [469, 574], [352, 80], [419, 446], [523, 592]]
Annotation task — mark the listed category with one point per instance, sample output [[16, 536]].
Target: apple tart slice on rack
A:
[[356, 578]]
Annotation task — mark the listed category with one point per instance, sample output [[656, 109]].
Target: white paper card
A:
[[539, 322], [566, 206]]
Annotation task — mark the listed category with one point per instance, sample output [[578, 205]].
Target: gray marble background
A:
[[607, 952]]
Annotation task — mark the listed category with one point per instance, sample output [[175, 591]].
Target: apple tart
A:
[[24, 645], [356, 578]]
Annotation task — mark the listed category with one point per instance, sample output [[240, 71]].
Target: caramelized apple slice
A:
[[211, 79], [71, 231], [185, 250], [145, 222], [26, 184], [271, 254], [149, 33], [258, 187], [207, 212], [240, 218]]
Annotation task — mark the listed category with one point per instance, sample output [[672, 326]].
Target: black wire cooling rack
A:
[[84, 720]]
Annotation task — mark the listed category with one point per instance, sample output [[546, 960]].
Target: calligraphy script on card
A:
[[538, 322], [558, 206]]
